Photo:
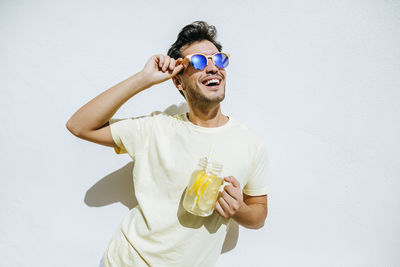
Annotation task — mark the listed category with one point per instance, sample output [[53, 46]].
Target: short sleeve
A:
[[131, 134], [257, 183]]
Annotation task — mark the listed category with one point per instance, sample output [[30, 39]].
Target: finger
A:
[[161, 60], [225, 206], [228, 199], [166, 63], [179, 61], [233, 192], [177, 70], [172, 64], [233, 181], [219, 209]]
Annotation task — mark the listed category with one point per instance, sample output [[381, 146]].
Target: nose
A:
[[211, 67]]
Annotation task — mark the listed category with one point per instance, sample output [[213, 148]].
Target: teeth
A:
[[212, 81]]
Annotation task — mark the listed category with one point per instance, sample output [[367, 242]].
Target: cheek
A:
[[191, 79]]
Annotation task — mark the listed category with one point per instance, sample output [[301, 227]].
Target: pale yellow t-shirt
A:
[[166, 150]]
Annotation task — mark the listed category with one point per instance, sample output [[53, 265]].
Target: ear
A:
[[178, 82]]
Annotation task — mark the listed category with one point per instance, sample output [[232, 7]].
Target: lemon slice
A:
[[209, 194], [199, 180], [205, 180], [203, 186]]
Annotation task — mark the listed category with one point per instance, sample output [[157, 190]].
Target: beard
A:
[[199, 99]]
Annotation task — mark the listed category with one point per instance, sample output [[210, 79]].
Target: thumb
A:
[[235, 183], [177, 69]]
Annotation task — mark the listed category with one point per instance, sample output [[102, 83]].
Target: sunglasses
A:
[[200, 61]]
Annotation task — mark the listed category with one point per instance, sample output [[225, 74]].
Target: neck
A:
[[211, 117]]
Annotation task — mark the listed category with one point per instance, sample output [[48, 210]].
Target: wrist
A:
[[143, 81], [243, 209]]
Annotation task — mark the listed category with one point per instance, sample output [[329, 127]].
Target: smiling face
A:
[[202, 88]]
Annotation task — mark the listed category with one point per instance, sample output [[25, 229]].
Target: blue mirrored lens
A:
[[221, 60], [198, 62]]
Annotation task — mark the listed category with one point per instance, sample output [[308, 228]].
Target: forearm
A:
[[99, 110], [251, 216]]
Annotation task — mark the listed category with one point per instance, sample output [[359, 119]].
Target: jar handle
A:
[[221, 188]]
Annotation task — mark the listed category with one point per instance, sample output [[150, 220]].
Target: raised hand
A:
[[160, 68]]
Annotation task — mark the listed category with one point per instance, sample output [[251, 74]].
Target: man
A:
[[166, 150]]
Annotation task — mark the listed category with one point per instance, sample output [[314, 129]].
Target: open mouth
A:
[[212, 83]]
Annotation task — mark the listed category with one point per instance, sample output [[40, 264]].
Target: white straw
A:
[[209, 158]]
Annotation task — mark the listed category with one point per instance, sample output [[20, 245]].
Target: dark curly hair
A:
[[197, 31]]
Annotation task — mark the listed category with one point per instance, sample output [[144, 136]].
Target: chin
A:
[[205, 95], [218, 98]]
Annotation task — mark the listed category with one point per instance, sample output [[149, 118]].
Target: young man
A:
[[166, 150]]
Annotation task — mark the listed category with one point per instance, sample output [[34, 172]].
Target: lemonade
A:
[[202, 191]]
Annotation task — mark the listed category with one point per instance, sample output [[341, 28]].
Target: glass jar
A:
[[203, 188]]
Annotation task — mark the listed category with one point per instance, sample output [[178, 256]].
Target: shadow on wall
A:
[[115, 187], [118, 187]]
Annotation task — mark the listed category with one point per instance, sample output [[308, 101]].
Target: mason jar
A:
[[203, 188]]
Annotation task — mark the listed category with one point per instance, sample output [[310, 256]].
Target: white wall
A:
[[319, 78]]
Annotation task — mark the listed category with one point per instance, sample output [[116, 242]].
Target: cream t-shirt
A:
[[166, 150]]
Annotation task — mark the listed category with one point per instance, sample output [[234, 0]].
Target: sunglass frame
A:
[[189, 57]]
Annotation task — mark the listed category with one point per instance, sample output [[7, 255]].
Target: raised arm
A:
[[90, 122]]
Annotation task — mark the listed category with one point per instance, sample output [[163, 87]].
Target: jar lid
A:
[[213, 165]]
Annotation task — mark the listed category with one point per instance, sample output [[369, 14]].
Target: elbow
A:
[[70, 127], [259, 224], [256, 226]]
